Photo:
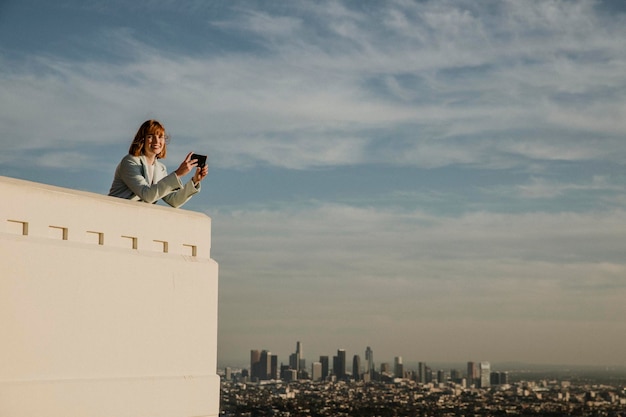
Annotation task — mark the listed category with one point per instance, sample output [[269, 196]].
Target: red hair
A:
[[149, 127]]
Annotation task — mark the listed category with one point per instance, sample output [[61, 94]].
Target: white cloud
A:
[[477, 75], [374, 242], [542, 188], [68, 160]]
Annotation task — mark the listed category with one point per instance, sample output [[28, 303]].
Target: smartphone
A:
[[201, 159]]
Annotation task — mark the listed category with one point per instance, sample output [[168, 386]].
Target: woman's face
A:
[[153, 144]]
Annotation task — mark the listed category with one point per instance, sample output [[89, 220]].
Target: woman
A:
[[141, 176]]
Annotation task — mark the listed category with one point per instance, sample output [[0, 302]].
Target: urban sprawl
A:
[[294, 390]]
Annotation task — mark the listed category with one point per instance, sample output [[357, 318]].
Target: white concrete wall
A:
[[107, 307]]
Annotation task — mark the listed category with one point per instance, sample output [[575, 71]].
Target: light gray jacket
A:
[[131, 182]]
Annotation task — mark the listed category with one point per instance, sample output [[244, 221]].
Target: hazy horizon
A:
[[410, 362], [440, 180]]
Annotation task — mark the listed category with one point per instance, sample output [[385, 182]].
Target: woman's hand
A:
[[200, 174], [187, 165]]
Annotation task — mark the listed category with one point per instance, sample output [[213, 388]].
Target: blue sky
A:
[[440, 180]]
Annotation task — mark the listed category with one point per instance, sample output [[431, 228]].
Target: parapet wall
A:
[[108, 307]]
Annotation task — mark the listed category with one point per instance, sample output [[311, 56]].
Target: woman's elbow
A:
[[149, 198]]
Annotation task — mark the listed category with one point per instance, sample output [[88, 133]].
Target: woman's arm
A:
[[131, 173], [181, 196]]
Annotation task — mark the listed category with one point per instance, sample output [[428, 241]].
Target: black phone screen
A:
[[201, 159]]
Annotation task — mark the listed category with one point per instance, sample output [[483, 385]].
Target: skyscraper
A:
[[429, 375], [473, 374], [274, 367], [485, 375], [495, 378], [356, 367], [455, 375], [421, 374], [339, 364], [293, 361], [265, 365], [299, 355], [369, 359], [255, 363], [398, 367], [441, 376], [325, 367], [296, 360], [504, 378], [316, 371]]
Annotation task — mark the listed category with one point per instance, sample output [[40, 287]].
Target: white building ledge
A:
[[107, 307]]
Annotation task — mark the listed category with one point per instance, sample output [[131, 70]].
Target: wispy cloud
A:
[[457, 75], [367, 241], [484, 144], [542, 188]]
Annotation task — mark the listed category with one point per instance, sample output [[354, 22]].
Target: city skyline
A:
[[260, 368], [436, 179], [468, 366]]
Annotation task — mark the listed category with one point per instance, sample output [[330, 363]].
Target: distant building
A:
[[300, 354], [325, 366], [455, 375], [339, 364], [255, 365], [296, 360], [398, 367], [429, 375], [369, 361], [473, 374], [421, 373], [504, 378], [265, 367], [499, 378], [316, 371], [260, 365], [485, 375], [494, 378], [274, 367], [385, 368], [290, 375], [356, 367], [441, 376], [368, 376]]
